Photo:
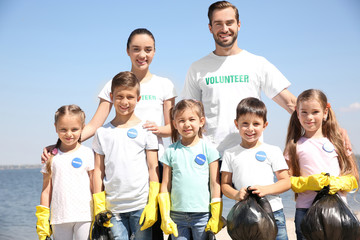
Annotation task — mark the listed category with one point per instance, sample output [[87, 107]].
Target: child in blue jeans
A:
[[253, 163], [190, 165]]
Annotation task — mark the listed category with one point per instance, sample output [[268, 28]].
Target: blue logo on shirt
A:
[[200, 159], [260, 156], [132, 133], [76, 162]]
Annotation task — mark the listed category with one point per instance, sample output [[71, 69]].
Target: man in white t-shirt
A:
[[229, 74]]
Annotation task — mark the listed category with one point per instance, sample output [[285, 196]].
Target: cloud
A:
[[354, 107]]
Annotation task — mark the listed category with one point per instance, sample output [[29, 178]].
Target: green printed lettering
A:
[[207, 81], [246, 78]]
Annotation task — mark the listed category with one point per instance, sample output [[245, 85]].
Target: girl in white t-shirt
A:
[[67, 181], [191, 165], [314, 145]]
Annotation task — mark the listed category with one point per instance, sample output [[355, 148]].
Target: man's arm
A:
[[286, 100]]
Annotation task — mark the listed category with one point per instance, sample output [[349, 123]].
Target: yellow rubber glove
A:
[[149, 215], [43, 225], [167, 224], [314, 182], [100, 206], [343, 183], [215, 223]]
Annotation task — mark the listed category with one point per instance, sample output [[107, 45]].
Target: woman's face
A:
[[141, 51]]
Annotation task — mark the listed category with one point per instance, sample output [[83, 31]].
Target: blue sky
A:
[[54, 53]]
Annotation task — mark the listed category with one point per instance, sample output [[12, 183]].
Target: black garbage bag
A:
[[329, 217], [99, 232], [210, 235], [252, 218]]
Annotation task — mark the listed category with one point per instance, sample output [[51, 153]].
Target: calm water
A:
[[20, 193]]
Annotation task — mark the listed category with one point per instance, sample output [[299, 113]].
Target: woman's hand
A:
[[46, 153], [152, 126]]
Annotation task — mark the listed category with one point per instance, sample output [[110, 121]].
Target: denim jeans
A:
[[189, 223], [299, 215], [281, 224], [126, 226]]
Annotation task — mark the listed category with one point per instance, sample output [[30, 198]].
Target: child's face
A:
[[250, 128], [125, 100], [188, 124], [311, 115], [69, 128]]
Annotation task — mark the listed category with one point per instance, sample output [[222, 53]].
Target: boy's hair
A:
[[62, 111], [127, 80], [330, 130], [137, 32], [253, 106], [221, 5], [179, 108]]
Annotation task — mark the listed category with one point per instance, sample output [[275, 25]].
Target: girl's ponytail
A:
[[293, 135], [53, 153]]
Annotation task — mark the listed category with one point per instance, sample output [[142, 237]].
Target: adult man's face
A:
[[224, 27]]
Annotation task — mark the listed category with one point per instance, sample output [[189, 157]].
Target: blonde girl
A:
[[314, 145], [190, 165], [67, 181]]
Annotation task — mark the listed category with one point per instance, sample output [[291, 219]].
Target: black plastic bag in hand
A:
[[252, 218], [99, 232], [329, 217]]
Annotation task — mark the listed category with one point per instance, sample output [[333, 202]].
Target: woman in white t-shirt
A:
[[157, 93]]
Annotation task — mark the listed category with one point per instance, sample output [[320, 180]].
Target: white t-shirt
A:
[[153, 94], [255, 166], [221, 82], [71, 194], [126, 178]]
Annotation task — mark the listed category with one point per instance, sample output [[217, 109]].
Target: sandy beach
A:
[[290, 225]]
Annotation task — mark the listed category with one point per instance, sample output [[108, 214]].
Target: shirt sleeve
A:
[[152, 142], [91, 160], [277, 160], [273, 81], [166, 157], [191, 88], [212, 153], [169, 89], [226, 166], [96, 146], [105, 92]]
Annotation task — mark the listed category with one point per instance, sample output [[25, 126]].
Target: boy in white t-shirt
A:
[[126, 175], [253, 163]]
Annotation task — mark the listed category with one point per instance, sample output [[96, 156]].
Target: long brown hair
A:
[[62, 111], [180, 107], [330, 130]]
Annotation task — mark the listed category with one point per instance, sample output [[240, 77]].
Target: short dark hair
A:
[[125, 79], [222, 5], [251, 105]]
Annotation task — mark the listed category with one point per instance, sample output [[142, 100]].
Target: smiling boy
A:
[[126, 164], [253, 163]]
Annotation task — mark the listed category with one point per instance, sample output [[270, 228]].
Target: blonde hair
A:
[[179, 108], [330, 130], [62, 111]]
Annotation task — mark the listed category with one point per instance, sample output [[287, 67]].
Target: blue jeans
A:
[[189, 223], [126, 226], [299, 215], [281, 224]]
